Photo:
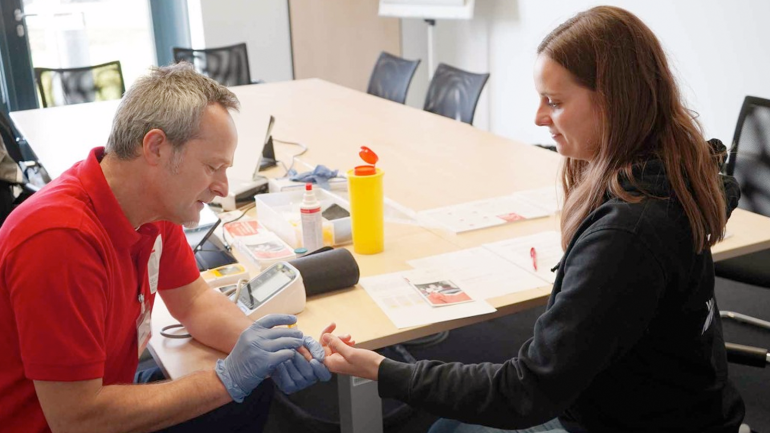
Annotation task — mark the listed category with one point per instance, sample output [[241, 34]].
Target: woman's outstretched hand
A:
[[343, 359]]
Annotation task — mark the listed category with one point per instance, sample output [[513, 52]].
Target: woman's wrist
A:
[[374, 370]]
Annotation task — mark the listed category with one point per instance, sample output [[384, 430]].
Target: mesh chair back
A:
[[228, 66], [68, 86], [749, 159], [454, 93], [391, 77], [21, 170]]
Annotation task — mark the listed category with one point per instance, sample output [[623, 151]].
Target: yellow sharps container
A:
[[367, 205]]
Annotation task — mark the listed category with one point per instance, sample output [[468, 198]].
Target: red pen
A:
[[533, 254]]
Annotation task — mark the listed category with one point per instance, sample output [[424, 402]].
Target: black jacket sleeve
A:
[[609, 292]]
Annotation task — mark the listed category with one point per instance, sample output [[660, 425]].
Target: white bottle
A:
[[312, 225]]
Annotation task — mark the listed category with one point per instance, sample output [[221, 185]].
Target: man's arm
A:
[[209, 316], [87, 406]]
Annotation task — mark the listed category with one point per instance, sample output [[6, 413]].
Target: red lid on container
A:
[[368, 155]]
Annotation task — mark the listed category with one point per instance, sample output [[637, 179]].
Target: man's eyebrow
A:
[[221, 160]]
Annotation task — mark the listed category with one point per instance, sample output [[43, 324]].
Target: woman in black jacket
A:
[[631, 339]]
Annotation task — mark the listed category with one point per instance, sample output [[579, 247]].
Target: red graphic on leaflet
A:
[[511, 217]]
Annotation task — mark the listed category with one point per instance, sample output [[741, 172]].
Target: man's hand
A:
[[298, 373], [259, 350]]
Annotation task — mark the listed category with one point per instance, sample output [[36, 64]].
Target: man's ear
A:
[[155, 147]]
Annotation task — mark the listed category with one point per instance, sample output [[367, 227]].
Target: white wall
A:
[[717, 48], [462, 43], [262, 24]]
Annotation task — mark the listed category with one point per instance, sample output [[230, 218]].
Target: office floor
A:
[[501, 341]]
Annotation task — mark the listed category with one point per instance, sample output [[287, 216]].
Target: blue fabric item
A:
[[320, 176]]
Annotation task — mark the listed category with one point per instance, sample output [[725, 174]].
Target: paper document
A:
[[404, 305], [536, 253], [496, 211], [550, 198], [439, 291], [482, 273]]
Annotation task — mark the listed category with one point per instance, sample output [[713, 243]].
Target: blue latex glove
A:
[[317, 351], [320, 175], [258, 351], [297, 373]]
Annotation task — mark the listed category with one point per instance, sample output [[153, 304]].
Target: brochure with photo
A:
[[265, 248], [439, 292]]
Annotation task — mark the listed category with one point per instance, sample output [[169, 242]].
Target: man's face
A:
[[195, 174]]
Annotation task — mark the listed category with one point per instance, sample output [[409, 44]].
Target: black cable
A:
[[293, 157]]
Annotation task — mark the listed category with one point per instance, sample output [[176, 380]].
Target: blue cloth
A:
[[320, 176], [452, 426]]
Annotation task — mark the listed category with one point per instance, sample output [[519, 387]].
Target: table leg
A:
[[360, 405]]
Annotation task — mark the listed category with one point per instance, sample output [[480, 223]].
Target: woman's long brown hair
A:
[[612, 52]]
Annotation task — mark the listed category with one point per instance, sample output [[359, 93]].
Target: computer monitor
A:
[[209, 250], [268, 151], [209, 221], [243, 177], [248, 155]]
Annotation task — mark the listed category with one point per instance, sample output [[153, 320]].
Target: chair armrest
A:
[[747, 355]]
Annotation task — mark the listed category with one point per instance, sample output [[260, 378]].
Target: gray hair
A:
[[170, 98]]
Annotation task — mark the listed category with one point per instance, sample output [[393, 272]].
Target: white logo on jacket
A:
[[710, 306]]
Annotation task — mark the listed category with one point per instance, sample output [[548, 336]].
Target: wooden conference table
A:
[[429, 161]]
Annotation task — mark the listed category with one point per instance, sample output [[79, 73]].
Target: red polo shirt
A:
[[71, 270]]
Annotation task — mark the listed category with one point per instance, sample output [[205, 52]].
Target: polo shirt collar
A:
[[106, 206]]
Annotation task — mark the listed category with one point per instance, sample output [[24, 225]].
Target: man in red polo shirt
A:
[[82, 260]]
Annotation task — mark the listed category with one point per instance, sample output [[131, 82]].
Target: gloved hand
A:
[[258, 351], [298, 373]]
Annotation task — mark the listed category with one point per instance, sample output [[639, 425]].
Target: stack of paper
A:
[[535, 203]]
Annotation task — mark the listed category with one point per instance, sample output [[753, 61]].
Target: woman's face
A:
[[567, 109]]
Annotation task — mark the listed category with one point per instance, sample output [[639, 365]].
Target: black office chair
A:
[[454, 93], [21, 175], [749, 162], [228, 65], [66, 86], [391, 77]]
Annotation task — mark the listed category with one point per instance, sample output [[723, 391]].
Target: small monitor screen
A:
[[263, 287]]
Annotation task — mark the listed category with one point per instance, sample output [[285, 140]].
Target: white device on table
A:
[[278, 289], [243, 177], [224, 275]]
